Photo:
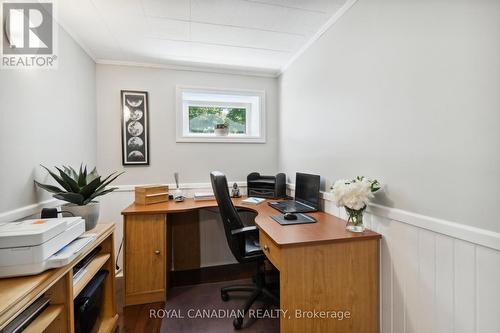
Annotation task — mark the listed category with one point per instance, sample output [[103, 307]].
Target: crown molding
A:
[[78, 41], [202, 67], [335, 17], [73, 35]]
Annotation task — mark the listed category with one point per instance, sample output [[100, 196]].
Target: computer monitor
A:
[[307, 189]]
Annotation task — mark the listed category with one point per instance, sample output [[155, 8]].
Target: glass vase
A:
[[355, 220]]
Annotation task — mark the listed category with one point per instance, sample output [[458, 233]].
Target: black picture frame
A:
[[135, 127]]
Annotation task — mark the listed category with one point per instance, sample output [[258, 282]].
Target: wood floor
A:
[[205, 296], [135, 318]]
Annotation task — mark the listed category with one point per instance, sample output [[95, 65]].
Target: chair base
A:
[[257, 290]]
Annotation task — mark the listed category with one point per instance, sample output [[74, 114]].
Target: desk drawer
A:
[[271, 250]]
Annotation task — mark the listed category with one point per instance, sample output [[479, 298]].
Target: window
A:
[[219, 115]]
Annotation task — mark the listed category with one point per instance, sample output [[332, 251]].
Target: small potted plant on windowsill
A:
[[79, 190], [221, 129]]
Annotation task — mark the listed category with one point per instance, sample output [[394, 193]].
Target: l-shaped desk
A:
[[326, 272]]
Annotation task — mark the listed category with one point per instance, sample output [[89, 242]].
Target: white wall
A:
[[193, 161], [48, 117], [407, 92]]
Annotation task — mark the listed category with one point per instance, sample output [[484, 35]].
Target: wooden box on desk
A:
[[147, 195]]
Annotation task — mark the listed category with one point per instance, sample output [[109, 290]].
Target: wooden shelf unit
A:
[[44, 319], [108, 325], [16, 294], [91, 270]]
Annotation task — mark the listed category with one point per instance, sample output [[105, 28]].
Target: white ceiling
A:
[[262, 35]]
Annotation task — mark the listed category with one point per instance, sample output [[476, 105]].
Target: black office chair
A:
[[244, 244]]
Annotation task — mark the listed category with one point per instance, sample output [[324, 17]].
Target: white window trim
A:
[[234, 138]]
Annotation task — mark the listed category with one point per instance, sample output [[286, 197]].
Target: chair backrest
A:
[[230, 217]]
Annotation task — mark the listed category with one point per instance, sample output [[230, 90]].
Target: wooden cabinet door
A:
[[145, 258]]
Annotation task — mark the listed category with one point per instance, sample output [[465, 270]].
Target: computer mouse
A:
[[290, 216]]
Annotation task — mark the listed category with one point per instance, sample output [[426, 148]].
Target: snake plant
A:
[[79, 188]]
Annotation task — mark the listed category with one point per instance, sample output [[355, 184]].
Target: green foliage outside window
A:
[[202, 119]]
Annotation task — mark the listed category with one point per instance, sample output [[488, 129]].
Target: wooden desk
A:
[[16, 294], [322, 266]]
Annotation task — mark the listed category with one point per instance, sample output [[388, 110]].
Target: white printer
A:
[[32, 246]]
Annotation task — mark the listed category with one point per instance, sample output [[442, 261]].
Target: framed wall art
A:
[[135, 127]]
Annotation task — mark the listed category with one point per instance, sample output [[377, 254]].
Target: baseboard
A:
[[22, 212], [29, 210], [185, 186], [212, 274], [145, 297]]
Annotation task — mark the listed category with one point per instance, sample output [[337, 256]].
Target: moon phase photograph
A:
[[135, 128], [135, 143]]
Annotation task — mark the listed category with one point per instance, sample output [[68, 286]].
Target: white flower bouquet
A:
[[354, 195]]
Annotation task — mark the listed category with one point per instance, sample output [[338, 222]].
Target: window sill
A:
[[220, 139]]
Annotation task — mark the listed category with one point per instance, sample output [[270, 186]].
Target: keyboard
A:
[[291, 206]]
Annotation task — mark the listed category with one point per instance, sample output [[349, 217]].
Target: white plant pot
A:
[[89, 212], [221, 131]]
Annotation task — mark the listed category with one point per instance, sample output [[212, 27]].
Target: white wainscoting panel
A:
[[464, 303], [487, 290], [444, 293], [432, 282]]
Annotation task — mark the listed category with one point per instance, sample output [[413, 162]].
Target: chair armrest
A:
[[243, 230]]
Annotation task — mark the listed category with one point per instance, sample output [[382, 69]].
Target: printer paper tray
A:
[[59, 259], [38, 254]]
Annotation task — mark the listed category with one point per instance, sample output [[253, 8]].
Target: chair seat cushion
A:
[[252, 246]]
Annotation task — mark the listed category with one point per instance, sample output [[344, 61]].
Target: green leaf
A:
[[92, 175], [105, 180], [75, 198], [73, 173], [70, 181], [57, 179], [82, 187], [108, 181], [82, 176], [49, 188], [90, 188], [98, 194], [70, 172]]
